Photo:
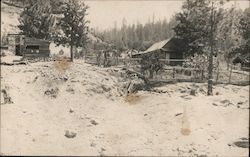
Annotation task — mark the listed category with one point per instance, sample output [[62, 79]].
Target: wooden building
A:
[[165, 50], [243, 60], [28, 47]]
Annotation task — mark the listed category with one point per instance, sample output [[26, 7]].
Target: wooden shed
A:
[[36, 48], [166, 49], [28, 47], [244, 60]]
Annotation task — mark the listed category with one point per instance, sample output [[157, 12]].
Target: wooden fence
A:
[[177, 73], [112, 61]]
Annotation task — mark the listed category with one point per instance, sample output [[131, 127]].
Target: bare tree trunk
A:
[[230, 74], [210, 67], [71, 47], [228, 63], [105, 59], [71, 53]]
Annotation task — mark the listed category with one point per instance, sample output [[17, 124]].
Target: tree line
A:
[[137, 36], [192, 26]]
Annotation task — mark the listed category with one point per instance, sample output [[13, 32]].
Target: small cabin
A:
[[28, 47], [166, 50], [243, 60]]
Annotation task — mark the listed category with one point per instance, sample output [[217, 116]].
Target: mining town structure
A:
[[167, 50], [28, 47], [243, 59]]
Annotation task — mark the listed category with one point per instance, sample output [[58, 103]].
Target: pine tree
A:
[[35, 20], [197, 30], [244, 27], [193, 27], [73, 25], [243, 48], [228, 35]]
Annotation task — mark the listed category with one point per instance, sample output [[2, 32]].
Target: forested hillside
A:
[[138, 36]]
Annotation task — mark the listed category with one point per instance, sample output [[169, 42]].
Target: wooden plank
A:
[[245, 68], [173, 72], [230, 75], [217, 76], [179, 68], [175, 60]]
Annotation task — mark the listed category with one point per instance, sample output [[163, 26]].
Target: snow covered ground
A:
[[83, 111]]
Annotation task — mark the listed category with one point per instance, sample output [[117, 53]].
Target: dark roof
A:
[[28, 39], [15, 34], [245, 58], [156, 46]]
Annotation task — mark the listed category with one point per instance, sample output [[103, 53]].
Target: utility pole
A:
[[210, 67]]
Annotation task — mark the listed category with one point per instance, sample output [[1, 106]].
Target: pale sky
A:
[[104, 13]]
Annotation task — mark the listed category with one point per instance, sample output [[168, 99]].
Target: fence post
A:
[[202, 74], [230, 74], [217, 77], [173, 72], [194, 71], [191, 72]]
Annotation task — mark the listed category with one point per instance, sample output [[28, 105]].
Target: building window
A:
[[33, 48]]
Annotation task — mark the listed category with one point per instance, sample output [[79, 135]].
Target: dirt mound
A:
[[79, 78]]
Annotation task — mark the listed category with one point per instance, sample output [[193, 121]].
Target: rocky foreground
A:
[[79, 109]]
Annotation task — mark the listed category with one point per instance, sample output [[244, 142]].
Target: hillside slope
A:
[[83, 111], [9, 18]]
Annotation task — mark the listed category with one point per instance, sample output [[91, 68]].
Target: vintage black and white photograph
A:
[[125, 78]]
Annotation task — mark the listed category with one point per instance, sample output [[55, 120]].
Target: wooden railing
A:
[[169, 73]]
